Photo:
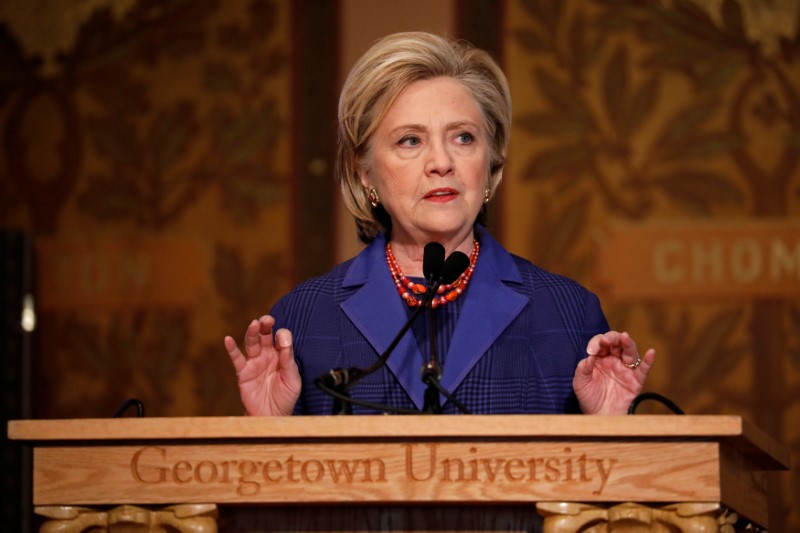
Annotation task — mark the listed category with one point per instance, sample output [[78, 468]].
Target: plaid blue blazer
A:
[[520, 334]]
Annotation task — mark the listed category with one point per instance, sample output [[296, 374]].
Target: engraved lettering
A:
[[161, 473], [515, 465], [226, 471], [368, 469], [582, 464], [273, 465], [424, 463], [533, 465], [552, 473], [410, 462], [247, 485], [491, 473], [604, 474], [565, 467], [459, 467], [210, 467], [180, 468], [290, 464], [317, 467], [473, 466]]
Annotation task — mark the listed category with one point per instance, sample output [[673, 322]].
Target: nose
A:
[[440, 161]]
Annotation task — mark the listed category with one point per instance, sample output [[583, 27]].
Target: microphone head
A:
[[432, 260], [455, 265]]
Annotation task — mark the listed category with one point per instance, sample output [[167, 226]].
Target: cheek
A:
[[398, 179]]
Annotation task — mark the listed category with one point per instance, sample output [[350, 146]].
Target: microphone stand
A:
[[339, 381], [430, 371]]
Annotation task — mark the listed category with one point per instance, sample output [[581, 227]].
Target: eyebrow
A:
[[449, 126]]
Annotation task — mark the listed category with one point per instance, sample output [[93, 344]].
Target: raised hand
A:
[[269, 380], [607, 381]]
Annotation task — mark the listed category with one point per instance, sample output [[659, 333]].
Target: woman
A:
[[424, 126]]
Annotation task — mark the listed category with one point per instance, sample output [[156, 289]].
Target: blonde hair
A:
[[378, 77]]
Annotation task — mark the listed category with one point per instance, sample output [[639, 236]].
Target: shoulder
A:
[[540, 278], [312, 290], [529, 279]]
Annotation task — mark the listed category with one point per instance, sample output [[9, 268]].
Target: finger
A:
[[265, 325], [235, 354], [629, 354], [594, 344], [647, 361], [283, 339], [612, 344], [252, 340], [586, 366], [602, 343]]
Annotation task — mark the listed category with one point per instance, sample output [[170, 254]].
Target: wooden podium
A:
[[395, 473]]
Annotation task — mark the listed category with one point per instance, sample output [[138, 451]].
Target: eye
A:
[[409, 140], [465, 137]]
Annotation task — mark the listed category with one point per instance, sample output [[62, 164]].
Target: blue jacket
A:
[[520, 334]]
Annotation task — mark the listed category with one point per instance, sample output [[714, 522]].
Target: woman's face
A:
[[428, 161]]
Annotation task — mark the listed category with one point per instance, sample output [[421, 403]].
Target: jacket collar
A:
[[490, 305]]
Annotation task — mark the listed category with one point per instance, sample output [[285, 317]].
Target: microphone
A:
[[455, 265], [440, 271], [338, 381], [432, 261]]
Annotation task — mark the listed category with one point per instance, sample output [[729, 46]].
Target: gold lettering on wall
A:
[[118, 274], [714, 260]]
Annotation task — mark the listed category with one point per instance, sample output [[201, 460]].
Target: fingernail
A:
[[286, 339]]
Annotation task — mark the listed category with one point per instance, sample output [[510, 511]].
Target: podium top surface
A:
[[492, 427]]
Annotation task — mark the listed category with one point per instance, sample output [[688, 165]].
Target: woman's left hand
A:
[[607, 381]]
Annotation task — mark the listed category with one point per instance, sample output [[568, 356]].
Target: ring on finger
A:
[[635, 364]]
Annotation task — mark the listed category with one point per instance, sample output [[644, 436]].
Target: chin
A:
[[445, 228]]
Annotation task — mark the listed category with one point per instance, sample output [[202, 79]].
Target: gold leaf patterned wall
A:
[[145, 146], [656, 158]]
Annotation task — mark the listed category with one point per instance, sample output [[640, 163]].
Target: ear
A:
[[363, 174]]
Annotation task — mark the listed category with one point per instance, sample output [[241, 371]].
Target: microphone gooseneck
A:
[[431, 371]]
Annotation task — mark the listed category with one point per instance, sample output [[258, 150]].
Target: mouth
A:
[[441, 195]]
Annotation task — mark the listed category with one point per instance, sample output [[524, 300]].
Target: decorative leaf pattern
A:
[[173, 115], [635, 109]]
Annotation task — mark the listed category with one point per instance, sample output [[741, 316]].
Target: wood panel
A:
[[470, 471]]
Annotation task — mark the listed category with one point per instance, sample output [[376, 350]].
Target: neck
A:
[[409, 253]]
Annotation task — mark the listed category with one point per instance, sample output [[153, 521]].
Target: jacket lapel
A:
[[489, 308], [378, 313]]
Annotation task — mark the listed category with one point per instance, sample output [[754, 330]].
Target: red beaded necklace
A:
[[409, 291]]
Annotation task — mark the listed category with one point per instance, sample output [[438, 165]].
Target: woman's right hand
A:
[[269, 380]]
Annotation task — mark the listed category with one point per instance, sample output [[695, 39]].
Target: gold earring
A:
[[373, 197], [486, 195]]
